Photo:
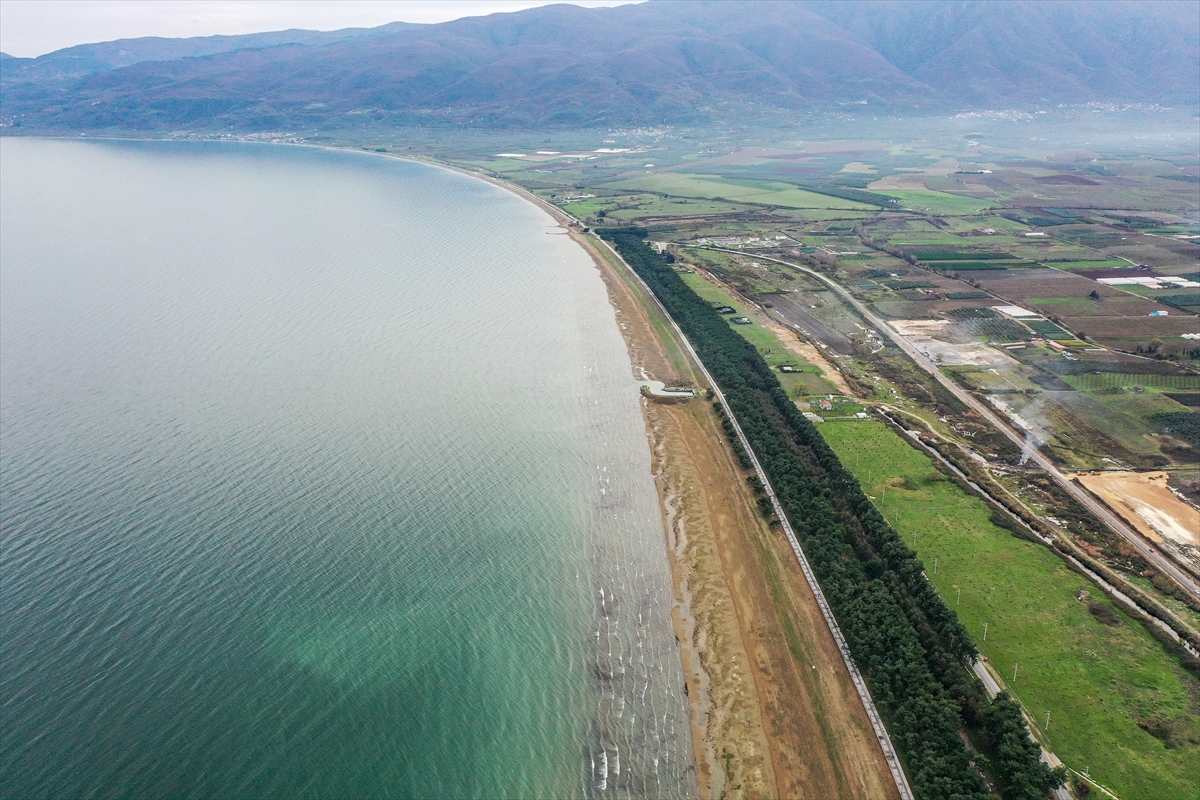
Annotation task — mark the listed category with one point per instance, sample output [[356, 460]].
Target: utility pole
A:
[[1047, 720], [935, 566], [985, 631], [958, 596], [1014, 672]]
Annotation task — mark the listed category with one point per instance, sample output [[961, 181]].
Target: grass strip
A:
[[1119, 703]]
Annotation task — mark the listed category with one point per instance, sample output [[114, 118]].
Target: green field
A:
[[1109, 264], [713, 186], [632, 207], [1097, 681], [1113, 380], [939, 202]]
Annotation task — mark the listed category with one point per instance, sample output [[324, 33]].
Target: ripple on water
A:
[[323, 475]]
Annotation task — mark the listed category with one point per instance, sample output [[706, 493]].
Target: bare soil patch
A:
[[920, 333], [918, 327], [1144, 501]]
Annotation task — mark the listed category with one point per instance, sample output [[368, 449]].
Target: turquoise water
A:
[[321, 475]]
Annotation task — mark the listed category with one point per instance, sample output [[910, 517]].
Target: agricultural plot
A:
[[1137, 334], [928, 241], [991, 330], [716, 188], [1104, 429], [1090, 265], [959, 255], [1105, 681], [1048, 329], [1101, 381], [976, 266], [939, 202], [806, 380], [1188, 302], [1066, 295]]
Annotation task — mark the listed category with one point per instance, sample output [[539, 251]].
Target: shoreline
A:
[[739, 636], [771, 713]]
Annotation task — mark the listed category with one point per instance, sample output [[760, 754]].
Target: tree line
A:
[[910, 646]]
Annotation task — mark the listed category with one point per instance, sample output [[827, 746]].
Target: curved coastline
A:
[[617, 514], [754, 713], [698, 775], [701, 773]]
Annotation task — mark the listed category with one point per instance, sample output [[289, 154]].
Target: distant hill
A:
[[656, 62]]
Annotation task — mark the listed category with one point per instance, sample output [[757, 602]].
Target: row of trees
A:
[[910, 646]]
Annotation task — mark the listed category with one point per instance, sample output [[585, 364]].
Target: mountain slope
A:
[[1010, 51], [662, 61], [91, 59]]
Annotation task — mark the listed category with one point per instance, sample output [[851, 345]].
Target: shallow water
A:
[[323, 475]]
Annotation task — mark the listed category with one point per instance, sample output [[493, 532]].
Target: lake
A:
[[322, 474]]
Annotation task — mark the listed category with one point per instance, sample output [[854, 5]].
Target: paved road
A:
[[993, 688], [989, 682], [1163, 563]]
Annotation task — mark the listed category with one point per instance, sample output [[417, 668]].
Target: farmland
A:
[[806, 380], [940, 202], [712, 186], [1104, 684], [1098, 376]]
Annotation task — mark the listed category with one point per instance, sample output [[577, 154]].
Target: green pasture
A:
[[591, 205], [1043, 249], [714, 186], [939, 202], [637, 206], [842, 406], [1097, 681], [821, 214], [907, 239]]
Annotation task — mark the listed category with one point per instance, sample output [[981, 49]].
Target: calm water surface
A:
[[323, 475]]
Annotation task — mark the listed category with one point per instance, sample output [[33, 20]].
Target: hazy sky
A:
[[33, 27]]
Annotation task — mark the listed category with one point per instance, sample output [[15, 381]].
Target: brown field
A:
[[1145, 502], [1139, 327], [774, 713], [1022, 285]]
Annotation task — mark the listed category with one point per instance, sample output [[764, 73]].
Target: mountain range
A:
[[663, 61]]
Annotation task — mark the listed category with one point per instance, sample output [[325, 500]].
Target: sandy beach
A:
[[774, 713]]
